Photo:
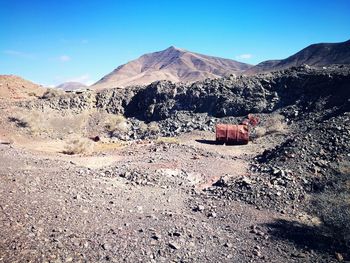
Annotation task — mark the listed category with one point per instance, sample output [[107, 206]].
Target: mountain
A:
[[174, 64], [317, 55], [14, 87], [71, 85]]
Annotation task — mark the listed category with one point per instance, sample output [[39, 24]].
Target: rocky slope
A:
[[173, 64], [318, 55], [14, 87], [232, 96]]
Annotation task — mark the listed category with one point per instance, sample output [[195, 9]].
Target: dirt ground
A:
[[138, 202]]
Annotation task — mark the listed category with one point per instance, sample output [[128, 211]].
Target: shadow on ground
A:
[[303, 236], [211, 142], [214, 142]]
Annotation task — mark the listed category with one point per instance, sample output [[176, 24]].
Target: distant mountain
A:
[[174, 64], [14, 87], [71, 86], [317, 55]]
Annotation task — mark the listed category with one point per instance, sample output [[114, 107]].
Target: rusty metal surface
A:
[[232, 134]]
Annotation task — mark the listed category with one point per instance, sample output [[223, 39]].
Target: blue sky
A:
[[50, 42]]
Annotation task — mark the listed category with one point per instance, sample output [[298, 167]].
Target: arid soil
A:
[[148, 205], [155, 187]]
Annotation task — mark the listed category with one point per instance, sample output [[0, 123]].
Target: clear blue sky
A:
[[50, 42]]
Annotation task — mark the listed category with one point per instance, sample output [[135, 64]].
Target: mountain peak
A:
[[174, 64], [174, 48]]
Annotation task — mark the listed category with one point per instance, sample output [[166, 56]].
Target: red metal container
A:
[[232, 134]]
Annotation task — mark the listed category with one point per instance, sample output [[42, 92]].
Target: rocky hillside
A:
[[318, 55], [300, 90], [173, 64], [14, 87]]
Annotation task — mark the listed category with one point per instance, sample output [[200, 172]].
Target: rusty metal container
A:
[[232, 134]]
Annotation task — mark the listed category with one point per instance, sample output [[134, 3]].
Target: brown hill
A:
[[317, 55], [14, 87], [174, 64]]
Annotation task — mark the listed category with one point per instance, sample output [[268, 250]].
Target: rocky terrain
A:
[[172, 64], [155, 187]]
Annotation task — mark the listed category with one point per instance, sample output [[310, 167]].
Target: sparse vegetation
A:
[[116, 124], [79, 146], [32, 94], [51, 93], [153, 128], [32, 121], [170, 140], [143, 127], [274, 124], [333, 204]]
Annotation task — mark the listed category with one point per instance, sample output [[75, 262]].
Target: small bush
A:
[[32, 94], [79, 146], [19, 121], [51, 93], [116, 124], [143, 127], [153, 128], [274, 124], [33, 121], [169, 140], [260, 131]]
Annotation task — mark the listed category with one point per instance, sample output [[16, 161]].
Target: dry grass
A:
[[51, 93], [169, 140], [274, 124], [143, 127], [153, 128], [101, 147], [116, 124], [79, 146], [33, 121]]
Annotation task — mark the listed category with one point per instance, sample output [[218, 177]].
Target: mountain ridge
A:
[[174, 64], [317, 55]]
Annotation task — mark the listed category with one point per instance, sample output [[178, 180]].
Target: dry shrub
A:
[[260, 131], [33, 121], [169, 140], [79, 146], [32, 94], [153, 128], [52, 93], [143, 127], [116, 124], [274, 124]]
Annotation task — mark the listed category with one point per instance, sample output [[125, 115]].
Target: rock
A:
[[212, 214], [106, 246], [156, 236], [174, 245], [339, 257], [222, 182], [199, 208]]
